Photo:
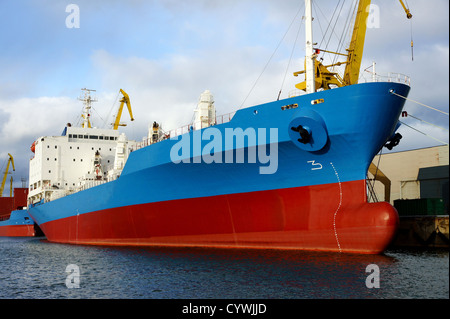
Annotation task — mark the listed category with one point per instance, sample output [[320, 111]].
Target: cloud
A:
[[24, 120], [164, 54], [27, 116], [167, 90]]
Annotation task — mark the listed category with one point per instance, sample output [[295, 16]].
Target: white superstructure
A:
[[205, 113], [80, 158]]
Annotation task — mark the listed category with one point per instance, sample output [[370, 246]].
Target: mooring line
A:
[[430, 107]]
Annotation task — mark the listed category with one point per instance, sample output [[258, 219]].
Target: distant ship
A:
[[19, 224], [14, 218], [289, 174]]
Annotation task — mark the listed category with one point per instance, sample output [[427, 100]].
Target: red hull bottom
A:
[[17, 231], [331, 217]]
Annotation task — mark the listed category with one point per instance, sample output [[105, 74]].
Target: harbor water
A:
[[33, 268]]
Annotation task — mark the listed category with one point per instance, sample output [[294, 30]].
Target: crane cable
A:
[[3, 166], [290, 59], [110, 111], [412, 43], [265, 67]]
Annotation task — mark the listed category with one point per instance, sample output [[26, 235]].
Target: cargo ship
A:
[[19, 224], [14, 218], [287, 174]]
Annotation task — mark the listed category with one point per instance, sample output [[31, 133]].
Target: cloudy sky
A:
[[165, 53]]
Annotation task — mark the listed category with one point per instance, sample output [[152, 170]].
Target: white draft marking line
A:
[[76, 235], [339, 206]]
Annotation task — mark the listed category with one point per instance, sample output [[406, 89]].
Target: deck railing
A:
[[390, 77], [185, 129]]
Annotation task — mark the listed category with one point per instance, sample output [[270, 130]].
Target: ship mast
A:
[[87, 100], [310, 56]]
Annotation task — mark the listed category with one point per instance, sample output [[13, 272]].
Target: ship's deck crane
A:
[[124, 99], [10, 160], [323, 77]]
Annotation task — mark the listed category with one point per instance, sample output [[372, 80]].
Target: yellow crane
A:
[[379, 175], [324, 78], [88, 122], [124, 99], [10, 160], [11, 187], [408, 13]]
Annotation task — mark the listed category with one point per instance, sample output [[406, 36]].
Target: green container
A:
[[437, 206], [418, 207]]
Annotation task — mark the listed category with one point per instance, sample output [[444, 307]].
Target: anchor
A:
[[305, 135]]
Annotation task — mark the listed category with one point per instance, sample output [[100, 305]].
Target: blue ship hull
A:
[[19, 224]]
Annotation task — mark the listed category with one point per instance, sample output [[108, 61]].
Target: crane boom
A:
[[124, 99], [408, 13], [11, 187], [10, 160], [355, 50]]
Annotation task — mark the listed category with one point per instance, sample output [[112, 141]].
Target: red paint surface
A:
[[17, 231], [332, 217], [8, 204]]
